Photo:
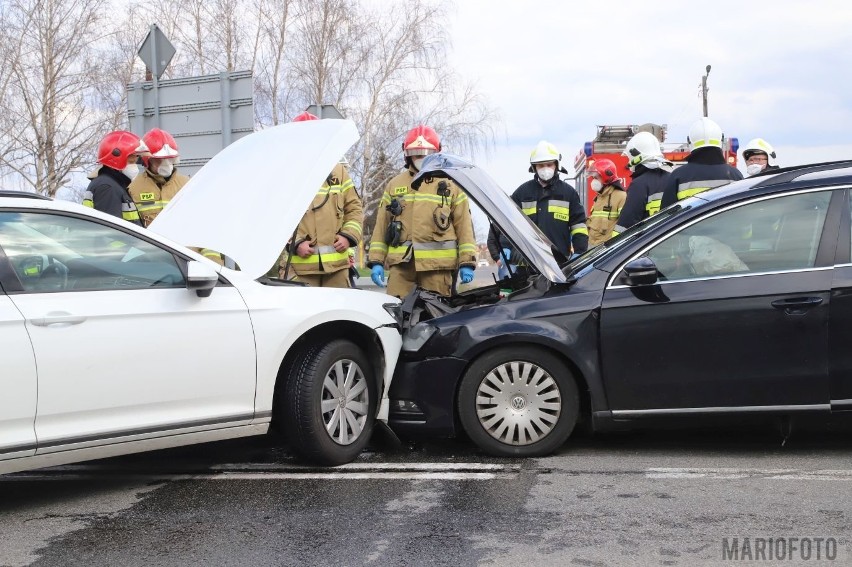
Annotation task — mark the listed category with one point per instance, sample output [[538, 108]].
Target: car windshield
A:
[[602, 250]]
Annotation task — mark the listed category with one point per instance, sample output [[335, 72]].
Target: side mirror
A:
[[201, 277], [641, 271]]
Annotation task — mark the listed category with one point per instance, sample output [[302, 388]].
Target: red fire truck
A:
[[610, 141]]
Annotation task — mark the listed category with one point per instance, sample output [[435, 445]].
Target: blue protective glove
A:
[[378, 275], [466, 274], [574, 257], [507, 255]]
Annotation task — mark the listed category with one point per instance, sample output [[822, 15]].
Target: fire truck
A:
[[610, 142]]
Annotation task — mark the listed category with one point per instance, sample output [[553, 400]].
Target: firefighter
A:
[[759, 156], [649, 171], [553, 205], [705, 168], [608, 201], [107, 191], [319, 252], [160, 181], [423, 234]]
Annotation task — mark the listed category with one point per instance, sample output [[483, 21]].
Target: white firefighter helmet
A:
[[759, 146], [543, 153], [641, 148], [704, 133]]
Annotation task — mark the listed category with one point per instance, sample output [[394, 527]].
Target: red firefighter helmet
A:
[[161, 144], [421, 141], [117, 147], [606, 171], [304, 116]]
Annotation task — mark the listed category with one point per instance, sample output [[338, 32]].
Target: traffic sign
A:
[[325, 111], [156, 51]]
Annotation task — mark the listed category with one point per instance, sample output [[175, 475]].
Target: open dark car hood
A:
[[485, 192]]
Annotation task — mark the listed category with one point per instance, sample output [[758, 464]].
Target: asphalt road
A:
[[655, 497]]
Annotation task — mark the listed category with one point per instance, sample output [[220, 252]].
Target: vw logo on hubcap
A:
[[518, 403]]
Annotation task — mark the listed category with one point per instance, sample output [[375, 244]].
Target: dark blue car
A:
[[736, 301]]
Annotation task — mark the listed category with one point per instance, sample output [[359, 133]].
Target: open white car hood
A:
[[247, 201]]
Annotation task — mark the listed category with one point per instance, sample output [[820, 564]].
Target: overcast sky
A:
[[555, 69]]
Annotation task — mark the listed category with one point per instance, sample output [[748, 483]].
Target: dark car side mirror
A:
[[641, 271]]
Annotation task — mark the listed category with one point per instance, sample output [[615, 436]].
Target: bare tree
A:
[[49, 124], [271, 98], [63, 84], [404, 80]]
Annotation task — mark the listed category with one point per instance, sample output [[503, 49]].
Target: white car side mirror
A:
[[201, 277]]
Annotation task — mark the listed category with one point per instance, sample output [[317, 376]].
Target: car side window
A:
[[52, 252], [775, 234]]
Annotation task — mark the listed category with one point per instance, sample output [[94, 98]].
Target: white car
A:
[[482, 263], [118, 340]]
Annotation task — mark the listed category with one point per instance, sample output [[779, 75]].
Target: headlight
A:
[[417, 336], [395, 311]]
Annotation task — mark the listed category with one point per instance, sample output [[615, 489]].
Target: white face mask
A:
[[166, 168], [131, 170], [597, 185], [754, 168], [545, 173], [418, 162]]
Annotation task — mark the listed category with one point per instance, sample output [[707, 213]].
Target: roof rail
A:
[[793, 172], [23, 195]]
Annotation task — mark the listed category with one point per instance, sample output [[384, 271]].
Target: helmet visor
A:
[[419, 151]]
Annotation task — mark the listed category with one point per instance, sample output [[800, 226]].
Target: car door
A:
[[840, 325], [123, 348], [17, 382], [737, 319]]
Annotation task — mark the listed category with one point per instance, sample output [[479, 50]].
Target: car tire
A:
[[328, 405], [518, 402]]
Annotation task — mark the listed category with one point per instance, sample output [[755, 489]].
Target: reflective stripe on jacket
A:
[[555, 208], [436, 231], [605, 212], [643, 196], [107, 192], [335, 209], [152, 192], [706, 169]]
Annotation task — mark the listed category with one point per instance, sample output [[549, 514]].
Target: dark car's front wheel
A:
[[518, 402], [328, 406]]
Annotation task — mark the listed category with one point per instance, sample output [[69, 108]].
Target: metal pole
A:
[[155, 78], [704, 89], [225, 90]]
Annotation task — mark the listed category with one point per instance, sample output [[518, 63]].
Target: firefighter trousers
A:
[[340, 278], [403, 277]]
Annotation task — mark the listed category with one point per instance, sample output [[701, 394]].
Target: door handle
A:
[[57, 319], [796, 305]]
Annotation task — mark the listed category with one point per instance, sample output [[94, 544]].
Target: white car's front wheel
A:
[[329, 404]]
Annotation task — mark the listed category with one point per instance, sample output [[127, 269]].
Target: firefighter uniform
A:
[[107, 192], [705, 169], [152, 192], [336, 209], [555, 208], [605, 211], [643, 197], [428, 240]]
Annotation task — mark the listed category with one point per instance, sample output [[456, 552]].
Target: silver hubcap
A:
[[345, 401], [518, 403]]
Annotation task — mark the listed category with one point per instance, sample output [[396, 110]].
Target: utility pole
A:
[[704, 89]]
